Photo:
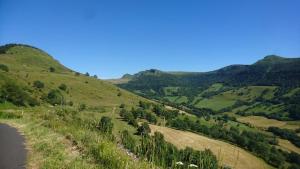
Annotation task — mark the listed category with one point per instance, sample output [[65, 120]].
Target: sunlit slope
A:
[[227, 154], [27, 64]]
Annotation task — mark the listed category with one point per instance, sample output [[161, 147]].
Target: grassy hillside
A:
[[62, 135], [71, 120]]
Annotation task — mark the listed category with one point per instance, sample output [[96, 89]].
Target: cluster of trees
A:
[[156, 150], [162, 112], [132, 116], [276, 115], [257, 143], [19, 96], [286, 134]]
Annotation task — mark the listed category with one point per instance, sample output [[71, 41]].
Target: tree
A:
[[62, 87], [144, 129], [52, 69], [95, 76], [106, 125], [38, 84], [87, 74]]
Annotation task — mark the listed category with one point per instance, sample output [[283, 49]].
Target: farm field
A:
[[226, 153], [263, 122], [288, 146]]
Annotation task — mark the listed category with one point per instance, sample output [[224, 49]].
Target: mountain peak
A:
[[271, 59]]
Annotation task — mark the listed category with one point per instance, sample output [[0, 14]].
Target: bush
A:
[[54, 97], [13, 93], [105, 125], [128, 141], [144, 129], [122, 106], [52, 69], [4, 67], [62, 87], [70, 103], [82, 107], [38, 84]]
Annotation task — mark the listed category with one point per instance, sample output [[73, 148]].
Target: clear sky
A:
[[110, 38]]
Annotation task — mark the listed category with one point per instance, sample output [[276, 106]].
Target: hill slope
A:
[[228, 88], [58, 110]]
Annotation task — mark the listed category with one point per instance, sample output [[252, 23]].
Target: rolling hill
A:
[[58, 109], [267, 87]]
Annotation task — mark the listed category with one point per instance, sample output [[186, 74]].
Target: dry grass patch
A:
[[288, 146], [226, 153], [263, 122]]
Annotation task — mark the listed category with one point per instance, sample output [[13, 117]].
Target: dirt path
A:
[[12, 148]]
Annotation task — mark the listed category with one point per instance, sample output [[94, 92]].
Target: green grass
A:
[[215, 103], [168, 91], [177, 99], [56, 140], [46, 127], [228, 98]]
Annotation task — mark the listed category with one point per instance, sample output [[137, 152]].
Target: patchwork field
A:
[[288, 146], [263, 122], [226, 153]]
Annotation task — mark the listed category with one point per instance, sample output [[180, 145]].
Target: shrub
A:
[[13, 93], [127, 140], [54, 97], [38, 84], [144, 129], [62, 87], [105, 125], [82, 107], [122, 106], [52, 69], [4, 67], [70, 103]]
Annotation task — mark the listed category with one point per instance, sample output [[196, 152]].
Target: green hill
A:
[[71, 114], [228, 88]]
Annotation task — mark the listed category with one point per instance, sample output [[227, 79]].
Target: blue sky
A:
[[110, 38]]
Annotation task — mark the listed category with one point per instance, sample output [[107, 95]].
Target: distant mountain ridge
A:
[[271, 70]]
